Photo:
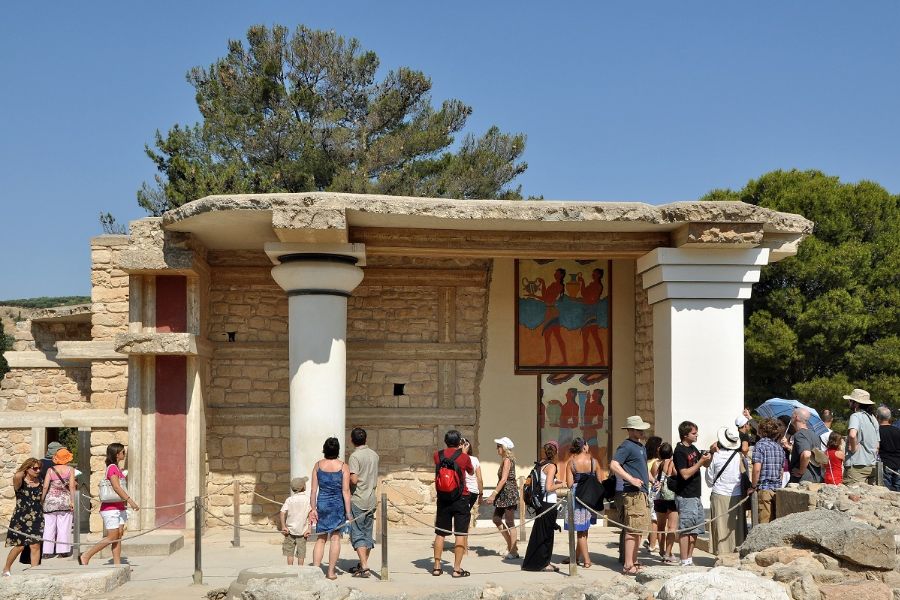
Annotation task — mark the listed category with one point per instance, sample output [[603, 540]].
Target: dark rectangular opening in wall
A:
[[398, 389]]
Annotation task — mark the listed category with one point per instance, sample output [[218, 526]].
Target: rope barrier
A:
[[242, 528], [122, 539], [95, 501], [668, 531], [451, 532]]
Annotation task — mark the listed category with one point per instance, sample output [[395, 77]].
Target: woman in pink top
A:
[[114, 513]]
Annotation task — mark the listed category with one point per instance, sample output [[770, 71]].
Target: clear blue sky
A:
[[651, 101]]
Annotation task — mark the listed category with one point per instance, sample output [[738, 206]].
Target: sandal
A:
[[437, 571], [631, 571], [460, 573], [364, 573], [551, 569], [356, 569]]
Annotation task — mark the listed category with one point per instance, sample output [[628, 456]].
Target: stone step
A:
[[54, 579], [151, 544]]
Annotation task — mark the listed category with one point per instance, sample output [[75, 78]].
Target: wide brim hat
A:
[[859, 396], [636, 422], [505, 442], [729, 438], [62, 457], [53, 448]]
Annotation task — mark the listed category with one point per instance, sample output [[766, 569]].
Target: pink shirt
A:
[[110, 471]]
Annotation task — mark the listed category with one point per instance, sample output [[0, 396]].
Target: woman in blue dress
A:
[[329, 503], [579, 468]]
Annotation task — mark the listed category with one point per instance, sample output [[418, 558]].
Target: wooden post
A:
[[236, 502], [76, 527], [384, 538], [573, 561], [754, 509], [879, 474], [198, 531], [522, 509]]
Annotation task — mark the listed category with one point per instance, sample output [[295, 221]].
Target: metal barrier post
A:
[[879, 473], [384, 538], [754, 510], [521, 509], [198, 531], [76, 527], [570, 517], [236, 502]]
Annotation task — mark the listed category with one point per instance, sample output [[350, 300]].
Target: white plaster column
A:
[[318, 280], [697, 296]]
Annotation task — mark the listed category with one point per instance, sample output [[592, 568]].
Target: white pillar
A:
[[318, 284], [697, 297]]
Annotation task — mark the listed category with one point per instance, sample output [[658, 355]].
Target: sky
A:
[[639, 101]]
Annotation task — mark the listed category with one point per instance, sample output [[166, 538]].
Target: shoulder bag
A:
[[106, 491]]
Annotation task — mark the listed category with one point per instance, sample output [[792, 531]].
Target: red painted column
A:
[[171, 403]]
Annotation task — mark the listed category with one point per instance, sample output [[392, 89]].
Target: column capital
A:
[[317, 269], [693, 273]]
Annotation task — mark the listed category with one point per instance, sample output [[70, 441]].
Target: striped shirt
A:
[[771, 456]]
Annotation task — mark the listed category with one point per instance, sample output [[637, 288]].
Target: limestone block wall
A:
[[643, 352], [46, 389], [109, 316], [30, 335], [414, 322], [15, 447]]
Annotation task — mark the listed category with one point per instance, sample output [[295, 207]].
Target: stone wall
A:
[[42, 335], [407, 322], [46, 389], [15, 447], [643, 352]]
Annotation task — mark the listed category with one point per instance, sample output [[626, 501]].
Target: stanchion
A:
[[76, 527], [521, 509], [754, 510], [236, 502], [879, 473], [570, 517], [384, 538], [198, 531]]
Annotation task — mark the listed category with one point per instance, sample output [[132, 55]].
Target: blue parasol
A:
[[777, 407]]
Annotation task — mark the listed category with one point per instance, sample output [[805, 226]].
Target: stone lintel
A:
[[508, 244], [729, 235], [36, 359], [182, 344], [355, 350], [109, 240], [76, 313], [95, 418], [154, 250], [782, 245], [233, 414], [88, 350], [373, 276]]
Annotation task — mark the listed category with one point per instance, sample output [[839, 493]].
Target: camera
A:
[[704, 452]]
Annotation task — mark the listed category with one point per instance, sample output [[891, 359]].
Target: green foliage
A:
[[47, 301], [68, 437], [6, 343], [306, 111], [827, 320]]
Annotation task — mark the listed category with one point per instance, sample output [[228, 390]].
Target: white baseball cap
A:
[[505, 442], [740, 421]]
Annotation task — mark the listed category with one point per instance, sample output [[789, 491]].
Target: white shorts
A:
[[113, 518]]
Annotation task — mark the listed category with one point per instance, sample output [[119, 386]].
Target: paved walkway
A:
[[170, 577]]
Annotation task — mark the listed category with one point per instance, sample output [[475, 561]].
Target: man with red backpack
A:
[[450, 466]]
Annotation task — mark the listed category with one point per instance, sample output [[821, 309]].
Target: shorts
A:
[[664, 506], [361, 528], [472, 499], [453, 516], [113, 518], [690, 516], [635, 512], [294, 545]]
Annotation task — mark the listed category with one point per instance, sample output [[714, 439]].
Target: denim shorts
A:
[[690, 515], [361, 535]]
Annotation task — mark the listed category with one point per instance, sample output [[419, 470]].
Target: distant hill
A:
[[46, 302]]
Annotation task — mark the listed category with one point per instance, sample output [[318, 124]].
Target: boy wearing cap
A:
[[630, 466], [295, 522], [862, 440]]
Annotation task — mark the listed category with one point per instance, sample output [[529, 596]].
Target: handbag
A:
[[589, 490], [107, 493], [665, 492], [58, 498]]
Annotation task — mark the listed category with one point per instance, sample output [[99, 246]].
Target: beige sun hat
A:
[[729, 438], [859, 396], [635, 422]]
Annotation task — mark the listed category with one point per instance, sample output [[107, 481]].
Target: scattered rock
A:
[[805, 588], [780, 554], [654, 577], [856, 590], [830, 531], [721, 582]]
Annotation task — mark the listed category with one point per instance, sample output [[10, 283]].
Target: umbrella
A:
[[777, 407]]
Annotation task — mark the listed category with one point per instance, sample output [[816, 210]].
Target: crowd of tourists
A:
[[657, 490]]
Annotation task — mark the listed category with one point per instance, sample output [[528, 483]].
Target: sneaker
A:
[[687, 563]]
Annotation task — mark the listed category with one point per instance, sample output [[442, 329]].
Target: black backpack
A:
[[532, 491], [448, 478]]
